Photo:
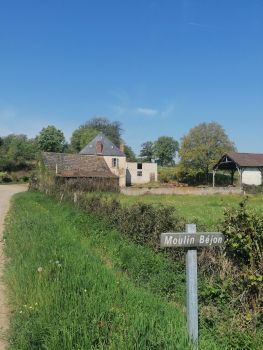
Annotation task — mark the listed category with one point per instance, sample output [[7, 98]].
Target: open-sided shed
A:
[[248, 165]]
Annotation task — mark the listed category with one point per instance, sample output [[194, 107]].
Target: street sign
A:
[[191, 240], [186, 240]]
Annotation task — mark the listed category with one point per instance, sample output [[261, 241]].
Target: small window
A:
[[115, 162], [139, 166], [139, 173]]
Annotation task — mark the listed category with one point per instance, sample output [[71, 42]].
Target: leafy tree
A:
[[86, 132], [130, 155], [21, 149], [15, 151], [112, 130], [147, 151], [165, 149], [203, 147], [51, 139], [81, 137]]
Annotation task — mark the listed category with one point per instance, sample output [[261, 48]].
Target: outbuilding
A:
[[81, 172], [248, 165]]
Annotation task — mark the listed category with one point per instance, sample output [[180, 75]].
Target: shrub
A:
[[5, 177], [168, 174]]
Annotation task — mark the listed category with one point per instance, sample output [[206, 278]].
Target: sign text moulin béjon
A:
[[191, 240]]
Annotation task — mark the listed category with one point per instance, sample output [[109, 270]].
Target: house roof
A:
[[242, 160], [108, 148], [77, 165]]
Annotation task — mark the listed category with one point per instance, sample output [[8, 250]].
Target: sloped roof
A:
[[76, 165], [109, 149], [242, 160]]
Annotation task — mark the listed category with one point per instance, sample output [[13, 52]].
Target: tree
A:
[[130, 155], [147, 151], [203, 147], [86, 132], [51, 139], [20, 148], [81, 137], [165, 149]]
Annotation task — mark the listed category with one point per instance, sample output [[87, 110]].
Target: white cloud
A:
[[148, 112]]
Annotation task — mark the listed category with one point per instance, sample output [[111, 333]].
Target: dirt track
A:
[[6, 192]]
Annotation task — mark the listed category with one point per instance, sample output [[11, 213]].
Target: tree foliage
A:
[[15, 150], [202, 147], [81, 137], [130, 155], [147, 151], [165, 148], [86, 132], [51, 139]]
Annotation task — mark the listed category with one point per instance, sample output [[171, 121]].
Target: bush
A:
[[168, 174], [5, 177], [253, 189], [243, 228]]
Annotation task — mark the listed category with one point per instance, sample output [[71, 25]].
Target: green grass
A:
[[76, 284], [67, 294], [208, 210]]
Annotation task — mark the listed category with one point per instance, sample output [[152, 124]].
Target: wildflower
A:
[[30, 307], [57, 261], [40, 269], [20, 311], [59, 265], [36, 304], [85, 290]]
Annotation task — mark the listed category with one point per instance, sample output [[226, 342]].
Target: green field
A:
[[206, 209]]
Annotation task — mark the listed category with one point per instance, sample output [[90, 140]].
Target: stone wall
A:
[[133, 191]]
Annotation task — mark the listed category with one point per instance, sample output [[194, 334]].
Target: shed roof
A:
[[242, 160], [77, 165], [108, 149]]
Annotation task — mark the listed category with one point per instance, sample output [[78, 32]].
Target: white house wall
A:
[[148, 171], [251, 176], [120, 170]]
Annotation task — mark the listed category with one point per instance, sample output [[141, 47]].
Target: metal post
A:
[[191, 290], [214, 174]]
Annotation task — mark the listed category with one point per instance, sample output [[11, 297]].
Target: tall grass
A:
[[67, 296], [76, 284]]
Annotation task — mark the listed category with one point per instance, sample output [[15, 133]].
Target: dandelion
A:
[[40, 269]]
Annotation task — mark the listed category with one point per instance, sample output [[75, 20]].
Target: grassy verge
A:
[[76, 284], [68, 295]]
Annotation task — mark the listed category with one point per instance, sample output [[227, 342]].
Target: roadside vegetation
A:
[[76, 284], [134, 292]]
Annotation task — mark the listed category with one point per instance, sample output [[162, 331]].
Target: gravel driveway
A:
[[6, 192]]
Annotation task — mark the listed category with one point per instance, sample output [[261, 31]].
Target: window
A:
[[139, 166], [115, 162], [139, 173]]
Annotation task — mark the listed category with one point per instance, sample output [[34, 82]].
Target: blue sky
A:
[[160, 67]]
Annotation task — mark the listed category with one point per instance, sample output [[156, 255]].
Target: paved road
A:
[[6, 192]]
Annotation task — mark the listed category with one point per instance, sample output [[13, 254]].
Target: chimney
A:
[[122, 147], [99, 147]]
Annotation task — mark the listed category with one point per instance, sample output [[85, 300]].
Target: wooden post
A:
[[191, 290]]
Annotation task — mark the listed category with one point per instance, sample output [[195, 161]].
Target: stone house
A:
[[129, 173]]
